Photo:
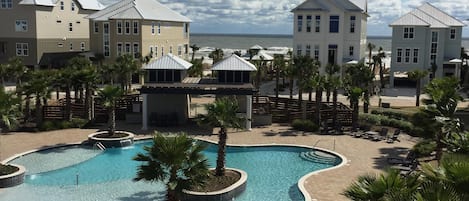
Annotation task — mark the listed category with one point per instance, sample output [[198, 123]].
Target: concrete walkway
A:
[[363, 156]]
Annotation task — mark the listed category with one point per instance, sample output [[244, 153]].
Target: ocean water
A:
[[245, 41]]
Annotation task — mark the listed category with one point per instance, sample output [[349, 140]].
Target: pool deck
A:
[[364, 156]]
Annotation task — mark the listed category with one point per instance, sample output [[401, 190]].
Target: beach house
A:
[[34, 28], [140, 28], [426, 38], [330, 31]]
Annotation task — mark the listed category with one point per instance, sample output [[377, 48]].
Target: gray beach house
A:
[[426, 37]]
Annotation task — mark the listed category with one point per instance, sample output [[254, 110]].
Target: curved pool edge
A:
[[302, 180]]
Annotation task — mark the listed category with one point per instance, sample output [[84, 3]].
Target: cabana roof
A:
[[168, 62], [234, 63]]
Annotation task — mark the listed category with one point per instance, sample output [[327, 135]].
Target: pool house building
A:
[[167, 89]]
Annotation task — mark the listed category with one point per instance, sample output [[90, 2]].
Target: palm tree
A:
[[279, 63], [417, 76], [354, 95], [18, 70], [335, 83], [290, 74], [379, 59], [125, 67], [330, 71], [305, 68], [197, 68], [216, 55], [90, 79], [4, 73], [9, 109], [109, 96], [370, 47], [222, 114], [194, 48], [318, 84], [360, 76], [452, 175], [39, 85], [177, 161], [444, 98], [383, 187], [65, 80]]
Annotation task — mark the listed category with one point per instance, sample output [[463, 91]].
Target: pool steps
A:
[[100, 146], [319, 157]]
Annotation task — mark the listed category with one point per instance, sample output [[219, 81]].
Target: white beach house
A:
[[424, 37], [330, 31]]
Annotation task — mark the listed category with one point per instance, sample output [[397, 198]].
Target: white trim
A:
[[413, 55], [408, 32], [127, 28], [108, 40], [119, 52], [135, 28], [121, 27], [23, 47]]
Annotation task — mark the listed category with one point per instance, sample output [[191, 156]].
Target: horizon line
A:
[[286, 35]]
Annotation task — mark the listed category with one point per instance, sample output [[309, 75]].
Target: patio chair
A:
[[394, 137], [407, 161], [381, 136]]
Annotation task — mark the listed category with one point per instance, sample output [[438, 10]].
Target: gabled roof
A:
[[261, 55], [234, 63], [427, 15], [138, 9], [256, 47], [168, 62], [85, 4], [321, 5]]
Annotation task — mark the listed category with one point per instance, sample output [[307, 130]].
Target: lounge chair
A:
[[408, 160], [381, 136], [394, 137]]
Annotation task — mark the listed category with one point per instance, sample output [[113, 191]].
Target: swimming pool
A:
[[78, 173]]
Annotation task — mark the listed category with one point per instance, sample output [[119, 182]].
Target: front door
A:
[[332, 55]]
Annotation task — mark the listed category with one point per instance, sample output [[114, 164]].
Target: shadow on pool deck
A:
[[386, 152]]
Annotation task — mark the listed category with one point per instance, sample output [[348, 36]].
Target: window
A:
[[452, 34], [21, 25], [71, 46], [350, 51], [73, 6], [170, 49], [352, 24], [136, 27], [179, 50], [316, 52], [318, 23], [159, 28], [119, 48], [59, 21], [60, 45], [399, 55], [407, 55], [162, 51], [415, 57], [308, 23], [22, 49], [186, 30], [151, 51], [156, 51], [82, 46], [298, 50], [300, 23], [152, 28], [106, 40], [136, 51], [308, 50], [186, 48], [434, 47], [70, 26], [6, 4], [96, 27], [119, 27], [62, 5], [127, 27], [408, 32], [334, 24], [127, 48]]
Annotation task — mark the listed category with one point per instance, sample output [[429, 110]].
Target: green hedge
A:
[[382, 120], [304, 125], [49, 125], [424, 148], [393, 114]]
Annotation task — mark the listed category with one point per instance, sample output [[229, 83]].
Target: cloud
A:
[[274, 16]]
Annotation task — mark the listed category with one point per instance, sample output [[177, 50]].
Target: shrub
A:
[[426, 122], [393, 114], [381, 120], [47, 126], [424, 147], [304, 125], [56, 125]]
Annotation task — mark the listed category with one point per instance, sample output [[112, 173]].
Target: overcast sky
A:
[[274, 16]]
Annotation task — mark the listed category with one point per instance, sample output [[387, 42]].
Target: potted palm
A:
[[109, 96]]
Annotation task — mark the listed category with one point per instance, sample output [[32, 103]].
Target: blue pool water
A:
[[273, 173]]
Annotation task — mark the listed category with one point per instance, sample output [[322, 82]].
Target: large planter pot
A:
[[13, 179], [127, 140], [227, 194]]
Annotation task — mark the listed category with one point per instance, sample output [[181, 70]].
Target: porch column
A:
[[145, 112], [248, 111]]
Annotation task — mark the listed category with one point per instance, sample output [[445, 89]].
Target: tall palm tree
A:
[[305, 68], [65, 80], [109, 96], [370, 47], [279, 63], [379, 59], [9, 109], [319, 86], [354, 95], [383, 187], [91, 79], [290, 74], [330, 71], [125, 67], [335, 83], [222, 114], [194, 48], [444, 98], [177, 161], [39, 85], [360, 76], [417, 76], [216, 55]]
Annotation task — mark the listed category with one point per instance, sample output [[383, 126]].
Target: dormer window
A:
[[408, 32]]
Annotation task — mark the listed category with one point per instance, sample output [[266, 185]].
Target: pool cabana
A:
[[166, 89]]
